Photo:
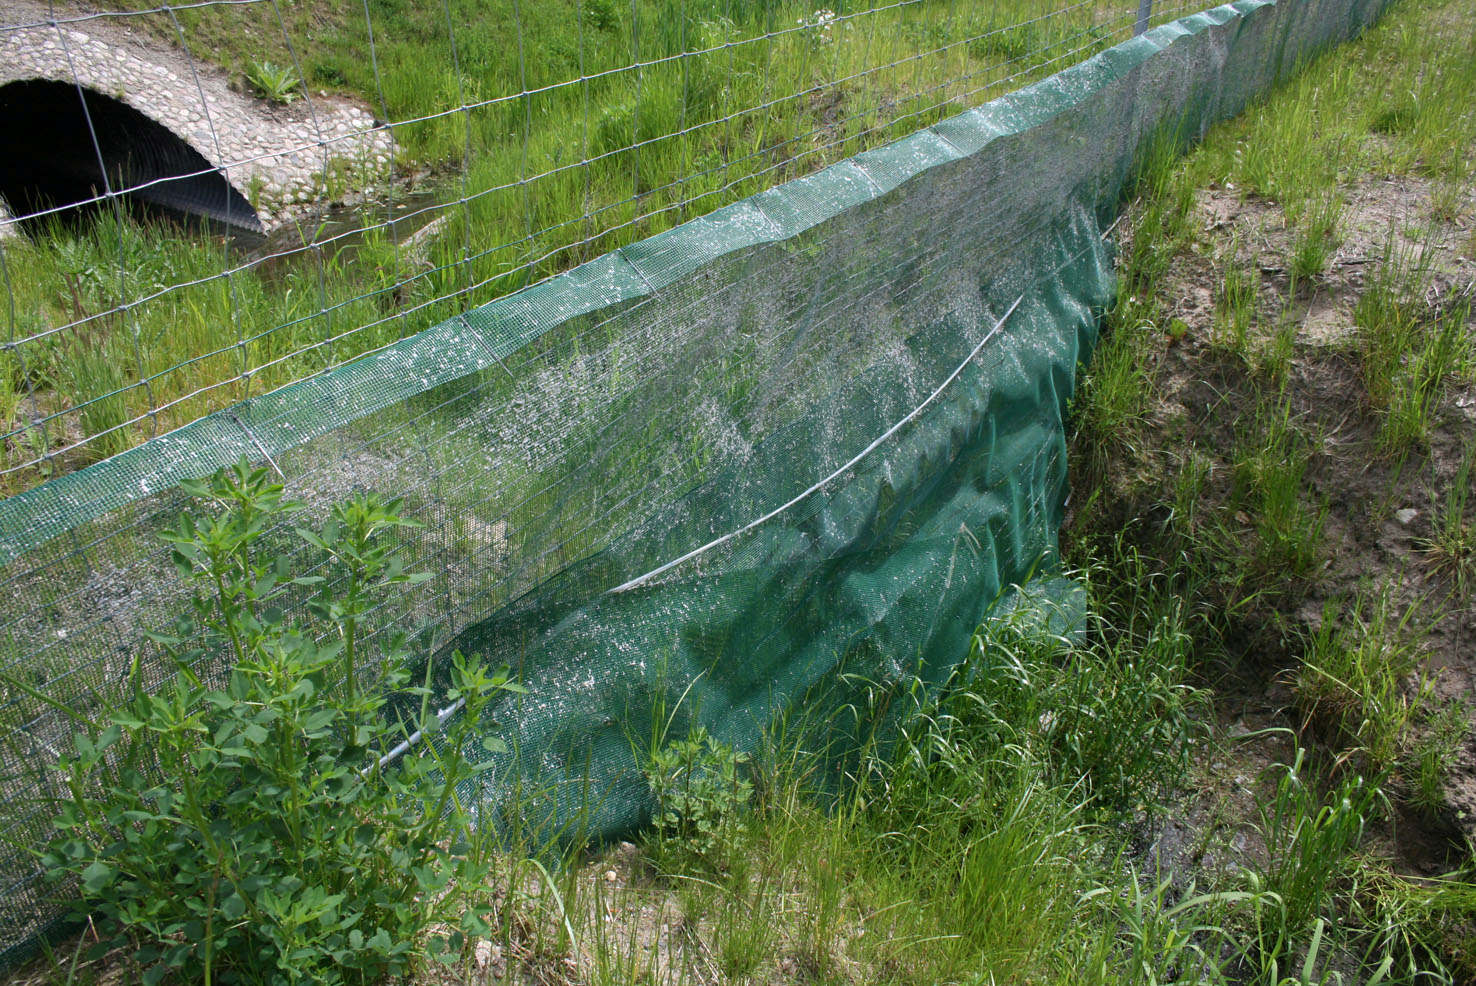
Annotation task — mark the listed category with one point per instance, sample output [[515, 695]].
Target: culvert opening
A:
[[64, 150]]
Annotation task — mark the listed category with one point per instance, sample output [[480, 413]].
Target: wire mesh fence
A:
[[333, 178]]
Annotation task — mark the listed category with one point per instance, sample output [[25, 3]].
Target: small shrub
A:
[[274, 83], [700, 791], [601, 14], [251, 825]]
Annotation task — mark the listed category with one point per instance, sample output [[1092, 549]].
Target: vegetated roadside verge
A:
[[1253, 765], [1257, 766], [1286, 402], [1283, 413]]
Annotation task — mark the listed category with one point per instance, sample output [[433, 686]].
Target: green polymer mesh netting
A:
[[810, 436]]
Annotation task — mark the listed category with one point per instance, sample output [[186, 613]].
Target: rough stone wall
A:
[[276, 156]]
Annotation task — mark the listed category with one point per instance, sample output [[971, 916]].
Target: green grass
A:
[[1235, 300], [1269, 467], [1236, 489], [1308, 841], [553, 177], [1111, 407], [1112, 403], [1353, 676], [1316, 238], [1408, 918], [1408, 351], [1452, 546], [975, 842], [1429, 759], [996, 836], [991, 840], [989, 837], [1442, 353]]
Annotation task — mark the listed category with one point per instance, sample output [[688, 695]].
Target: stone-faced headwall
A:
[[275, 156]]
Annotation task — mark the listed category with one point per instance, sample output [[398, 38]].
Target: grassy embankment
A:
[[111, 349]]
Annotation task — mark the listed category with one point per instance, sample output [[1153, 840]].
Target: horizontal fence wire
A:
[[581, 132]]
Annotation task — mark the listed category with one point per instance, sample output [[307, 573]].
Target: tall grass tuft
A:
[[1271, 461], [1352, 682], [1452, 545], [1408, 352], [1308, 839]]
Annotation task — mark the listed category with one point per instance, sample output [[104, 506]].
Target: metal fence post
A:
[[1145, 11]]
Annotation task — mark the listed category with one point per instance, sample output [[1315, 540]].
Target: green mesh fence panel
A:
[[805, 440]]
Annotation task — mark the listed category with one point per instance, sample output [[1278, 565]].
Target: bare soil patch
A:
[[1379, 509]]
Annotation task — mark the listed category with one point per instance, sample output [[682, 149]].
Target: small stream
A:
[[341, 227]]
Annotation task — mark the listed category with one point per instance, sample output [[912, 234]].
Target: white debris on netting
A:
[[336, 478], [723, 437]]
